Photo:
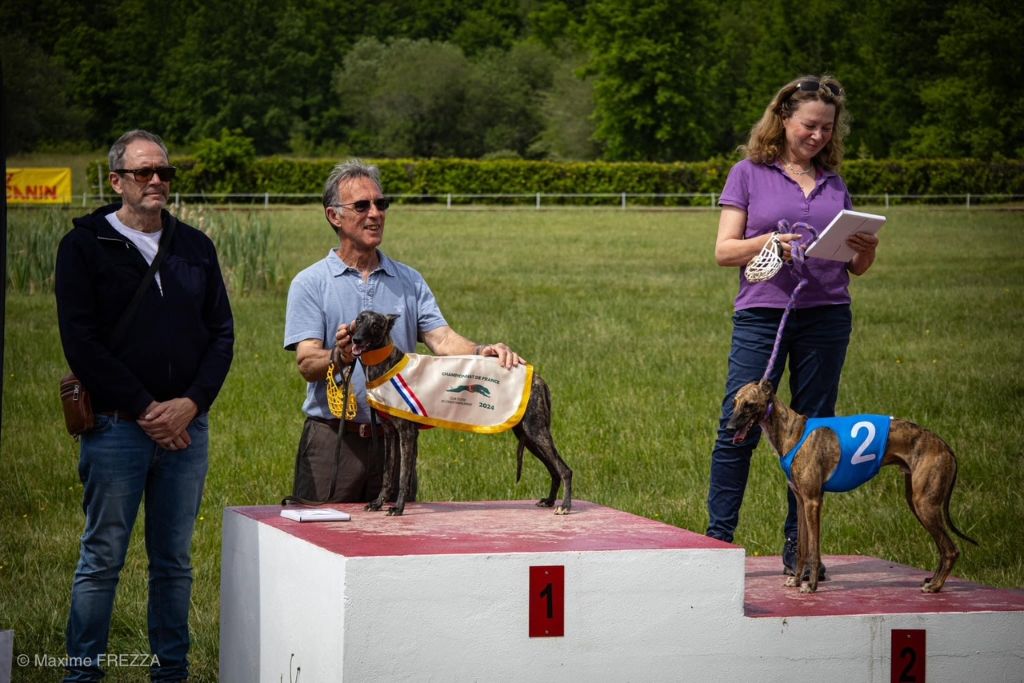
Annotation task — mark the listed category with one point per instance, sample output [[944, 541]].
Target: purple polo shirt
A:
[[768, 195]]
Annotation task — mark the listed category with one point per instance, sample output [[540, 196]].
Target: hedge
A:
[[439, 177]]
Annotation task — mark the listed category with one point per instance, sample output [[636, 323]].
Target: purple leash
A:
[[798, 266]]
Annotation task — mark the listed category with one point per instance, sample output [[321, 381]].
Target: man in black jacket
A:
[[151, 389]]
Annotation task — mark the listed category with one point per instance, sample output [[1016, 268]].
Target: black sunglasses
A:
[[815, 86], [363, 205], [143, 175]]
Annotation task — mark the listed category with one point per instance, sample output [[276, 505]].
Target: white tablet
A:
[[831, 244]]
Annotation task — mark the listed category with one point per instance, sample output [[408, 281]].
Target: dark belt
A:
[[119, 415], [363, 429]]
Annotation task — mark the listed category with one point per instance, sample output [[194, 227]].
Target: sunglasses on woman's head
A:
[[815, 86]]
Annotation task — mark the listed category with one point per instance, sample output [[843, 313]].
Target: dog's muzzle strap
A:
[[341, 401]]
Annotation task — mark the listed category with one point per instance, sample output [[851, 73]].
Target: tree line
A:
[[642, 80]]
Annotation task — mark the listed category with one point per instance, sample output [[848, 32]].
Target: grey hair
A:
[[348, 170], [116, 156]]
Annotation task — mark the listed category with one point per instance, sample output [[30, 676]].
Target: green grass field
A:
[[628, 319]]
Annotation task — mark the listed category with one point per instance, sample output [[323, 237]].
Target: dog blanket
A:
[[862, 442], [467, 393]]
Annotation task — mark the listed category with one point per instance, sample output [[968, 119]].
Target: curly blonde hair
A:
[[768, 136]]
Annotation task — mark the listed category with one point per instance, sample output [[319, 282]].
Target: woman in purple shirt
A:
[[790, 172]]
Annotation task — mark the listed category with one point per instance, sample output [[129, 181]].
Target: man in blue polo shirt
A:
[[337, 458]]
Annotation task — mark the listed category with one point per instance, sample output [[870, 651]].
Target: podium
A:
[[508, 591]]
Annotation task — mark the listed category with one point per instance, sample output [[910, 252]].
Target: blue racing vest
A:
[[862, 442]]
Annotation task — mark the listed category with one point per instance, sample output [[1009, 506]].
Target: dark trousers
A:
[[351, 471], [814, 343]]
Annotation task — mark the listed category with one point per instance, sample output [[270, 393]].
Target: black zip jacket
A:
[[177, 344]]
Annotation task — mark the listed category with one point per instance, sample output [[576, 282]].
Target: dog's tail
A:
[[949, 518]]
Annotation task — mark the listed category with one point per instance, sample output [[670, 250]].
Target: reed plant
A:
[[32, 247], [628, 319], [247, 247]]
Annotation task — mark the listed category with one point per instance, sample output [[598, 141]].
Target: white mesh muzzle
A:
[[767, 263]]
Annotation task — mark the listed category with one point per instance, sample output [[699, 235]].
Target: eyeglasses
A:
[[815, 86], [143, 175], [363, 205]]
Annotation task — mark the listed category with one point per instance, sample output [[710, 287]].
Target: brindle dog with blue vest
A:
[[813, 455], [372, 331]]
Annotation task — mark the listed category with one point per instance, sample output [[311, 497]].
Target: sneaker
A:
[[789, 562]]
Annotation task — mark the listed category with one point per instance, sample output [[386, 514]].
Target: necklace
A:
[[796, 170]]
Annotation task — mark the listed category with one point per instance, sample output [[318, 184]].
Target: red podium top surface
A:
[[482, 528], [866, 585]]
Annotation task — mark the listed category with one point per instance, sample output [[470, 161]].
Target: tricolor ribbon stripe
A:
[[408, 395]]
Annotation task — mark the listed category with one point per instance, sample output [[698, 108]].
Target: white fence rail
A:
[[542, 200]]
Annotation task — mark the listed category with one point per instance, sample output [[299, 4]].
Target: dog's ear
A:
[[391, 318], [766, 385]]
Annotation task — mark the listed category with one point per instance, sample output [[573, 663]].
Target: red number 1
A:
[[547, 601]]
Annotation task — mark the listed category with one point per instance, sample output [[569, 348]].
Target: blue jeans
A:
[[119, 464], [814, 342]]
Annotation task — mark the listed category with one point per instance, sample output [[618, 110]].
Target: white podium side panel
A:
[[282, 606], [460, 617]]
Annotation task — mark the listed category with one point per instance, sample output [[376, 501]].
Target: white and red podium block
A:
[[508, 591]]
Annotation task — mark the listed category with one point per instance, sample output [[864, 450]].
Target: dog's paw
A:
[[546, 503], [562, 510], [374, 506], [395, 511], [806, 587], [791, 582], [929, 587]]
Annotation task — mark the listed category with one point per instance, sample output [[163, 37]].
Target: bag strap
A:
[[147, 279]]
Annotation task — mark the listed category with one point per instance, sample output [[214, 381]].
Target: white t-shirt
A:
[[148, 243]]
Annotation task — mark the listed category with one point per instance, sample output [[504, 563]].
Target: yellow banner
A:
[[39, 186]]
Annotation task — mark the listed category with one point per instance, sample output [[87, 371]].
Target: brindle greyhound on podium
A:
[[372, 331]]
